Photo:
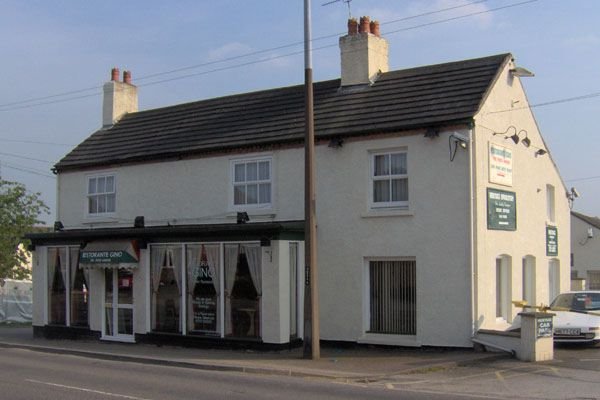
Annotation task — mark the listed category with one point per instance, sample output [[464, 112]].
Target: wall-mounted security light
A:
[[540, 152], [458, 140], [526, 142], [571, 196], [521, 72]]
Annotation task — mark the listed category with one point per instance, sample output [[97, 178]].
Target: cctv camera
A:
[[575, 192]]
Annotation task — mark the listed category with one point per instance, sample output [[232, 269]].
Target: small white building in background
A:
[[438, 203], [585, 249]]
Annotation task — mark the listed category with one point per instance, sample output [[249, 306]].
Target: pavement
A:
[[355, 363]]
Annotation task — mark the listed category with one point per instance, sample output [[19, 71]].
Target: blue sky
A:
[[49, 48]]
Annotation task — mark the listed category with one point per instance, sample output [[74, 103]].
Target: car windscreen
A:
[[580, 302]]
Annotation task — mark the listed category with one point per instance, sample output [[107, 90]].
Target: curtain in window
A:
[[253, 256], [231, 259], [213, 256], [53, 262], [157, 261], [175, 254], [74, 261]]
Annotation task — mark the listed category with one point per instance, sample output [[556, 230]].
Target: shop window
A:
[[203, 293], [553, 279], [389, 180], [57, 289], [243, 286], [392, 297], [166, 282], [79, 290], [252, 183], [529, 280], [101, 194], [503, 288]]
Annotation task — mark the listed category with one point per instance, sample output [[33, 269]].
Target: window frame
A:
[[388, 205], [88, 195], [258, 182], [368, 331]]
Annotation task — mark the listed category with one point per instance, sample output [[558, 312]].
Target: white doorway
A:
[[118, 305]]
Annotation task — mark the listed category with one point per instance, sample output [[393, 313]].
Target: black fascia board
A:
[[292, 230]]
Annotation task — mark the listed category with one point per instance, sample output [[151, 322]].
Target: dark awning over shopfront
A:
[[263, 231], [110, 254]]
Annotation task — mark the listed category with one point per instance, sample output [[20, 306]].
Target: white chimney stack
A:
[[364, 53], [120, 98]]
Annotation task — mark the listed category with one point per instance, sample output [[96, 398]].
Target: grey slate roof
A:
[[594, 221], [398, 100]]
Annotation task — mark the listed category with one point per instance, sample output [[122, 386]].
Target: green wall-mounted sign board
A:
[[551, 241], [501, 210]]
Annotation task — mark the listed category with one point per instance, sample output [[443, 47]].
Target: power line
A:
[[28, 170], [35, 142], [142, 78], [589, 178], [25, 158], [552, 102]]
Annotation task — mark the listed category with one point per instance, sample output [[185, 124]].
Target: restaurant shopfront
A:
[[203, 284]]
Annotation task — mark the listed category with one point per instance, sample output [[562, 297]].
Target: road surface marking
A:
[[122, 396]]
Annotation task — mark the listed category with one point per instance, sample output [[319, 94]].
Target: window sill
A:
[[387, 212], [261, 213], [391, 339], [99, 219]]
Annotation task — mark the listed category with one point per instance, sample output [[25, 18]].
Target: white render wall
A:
[[586, 251], [434, 231], [531, 175]]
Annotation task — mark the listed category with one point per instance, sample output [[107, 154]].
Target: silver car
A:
[[577, 317]]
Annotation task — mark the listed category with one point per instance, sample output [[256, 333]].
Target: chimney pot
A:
[[365, 25], [114, 74], [375, 28], [352, 26], [127, 77]]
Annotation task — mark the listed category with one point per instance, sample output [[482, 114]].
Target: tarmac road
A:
[[30, 375]]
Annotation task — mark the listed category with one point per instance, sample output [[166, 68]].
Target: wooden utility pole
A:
[[312, 348]]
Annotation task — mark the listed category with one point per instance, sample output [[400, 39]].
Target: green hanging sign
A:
[[106, 257], [551, 241]]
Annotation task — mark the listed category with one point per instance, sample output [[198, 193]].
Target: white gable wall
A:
[[531, 175]]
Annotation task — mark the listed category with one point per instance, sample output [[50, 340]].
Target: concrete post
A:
[[537, 342]]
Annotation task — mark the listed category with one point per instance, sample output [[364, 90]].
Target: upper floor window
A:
[[252, 182], [101, 194], [550, 203], [389, 177]]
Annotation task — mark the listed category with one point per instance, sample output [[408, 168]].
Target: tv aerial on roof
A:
[[338, 1]]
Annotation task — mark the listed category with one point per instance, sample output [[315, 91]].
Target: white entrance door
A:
[[118, 305]]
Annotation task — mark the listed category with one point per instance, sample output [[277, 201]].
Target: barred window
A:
[[393, 297]]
